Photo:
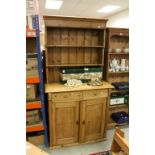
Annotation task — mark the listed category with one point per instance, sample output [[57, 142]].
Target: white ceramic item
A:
[[117, 50], [126, 50], [123, 64]]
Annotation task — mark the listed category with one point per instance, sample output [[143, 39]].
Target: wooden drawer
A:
[[94, 94], [65, 97]]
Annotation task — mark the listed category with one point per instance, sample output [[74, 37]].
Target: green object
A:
[[72, 70], [126, 99], [92, 69]]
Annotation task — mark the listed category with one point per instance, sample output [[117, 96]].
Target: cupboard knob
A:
[[77, 122], [83, 122]]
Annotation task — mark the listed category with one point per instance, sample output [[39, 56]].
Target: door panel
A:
[[64, 125], [92, 121]]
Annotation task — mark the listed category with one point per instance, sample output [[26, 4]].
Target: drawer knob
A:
[[65, 96]]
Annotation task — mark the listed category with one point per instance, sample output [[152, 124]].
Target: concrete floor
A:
[[88, 148]]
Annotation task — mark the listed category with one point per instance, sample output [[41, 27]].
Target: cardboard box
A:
[[115, 101], [36, 140], [30, 92], [72, 73], [33, 116], [92, 72], [31, 67]]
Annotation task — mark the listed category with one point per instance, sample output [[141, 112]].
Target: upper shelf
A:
[[73, 65], [32, 79], [82, 46]]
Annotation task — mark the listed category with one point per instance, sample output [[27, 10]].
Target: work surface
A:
[[58, 87]]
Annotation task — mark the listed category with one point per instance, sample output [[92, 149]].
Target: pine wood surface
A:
[[58, 87]]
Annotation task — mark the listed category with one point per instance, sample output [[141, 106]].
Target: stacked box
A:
[[83, 73], [118, 98], [36, 140], [33, 117], [72, 73], [30, 92], [92, 72], [31, 67]]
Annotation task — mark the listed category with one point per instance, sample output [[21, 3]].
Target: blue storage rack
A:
[[41, 83]]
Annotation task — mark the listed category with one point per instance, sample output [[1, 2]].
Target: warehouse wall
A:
[[120, 19]]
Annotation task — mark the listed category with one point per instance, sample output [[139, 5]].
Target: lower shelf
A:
[[36, 127], [116, 108], [114, 124]]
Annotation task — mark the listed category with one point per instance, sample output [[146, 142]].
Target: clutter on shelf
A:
[[84, 74], [73, 83], [95, 82], [117, 65]]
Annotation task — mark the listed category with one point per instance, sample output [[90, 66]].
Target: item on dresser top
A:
[[92, 73], [73, 83], [95, 82], [82, 73], [72, 73], [121, 85]]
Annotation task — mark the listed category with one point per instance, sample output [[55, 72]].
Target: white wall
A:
[[120, 19]]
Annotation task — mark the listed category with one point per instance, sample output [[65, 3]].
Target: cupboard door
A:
[[92, 121], [64, 119]]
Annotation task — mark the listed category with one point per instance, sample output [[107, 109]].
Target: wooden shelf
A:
[[67, 46], [118, 72], [74, 65], [36, 127], [79, 46], [114, 124], [33, 105], [118, 106], [32, 80], [112, 53], [115, 91]]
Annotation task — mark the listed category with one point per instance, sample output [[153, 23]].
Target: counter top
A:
[[58, 87]]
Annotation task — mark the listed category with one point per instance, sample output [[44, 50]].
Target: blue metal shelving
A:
[[41, 83]]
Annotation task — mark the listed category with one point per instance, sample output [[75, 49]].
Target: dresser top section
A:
[[58, 87]]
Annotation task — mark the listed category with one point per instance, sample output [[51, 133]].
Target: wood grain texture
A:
[[58, 87], [65, 119], [73, 42], [92, 119]]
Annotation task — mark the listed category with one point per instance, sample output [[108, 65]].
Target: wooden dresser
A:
[[77, 115]]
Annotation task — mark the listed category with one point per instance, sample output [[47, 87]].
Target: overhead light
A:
[[108, 8], [53, 4]]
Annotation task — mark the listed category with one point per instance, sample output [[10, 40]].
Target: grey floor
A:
[[87, 149]]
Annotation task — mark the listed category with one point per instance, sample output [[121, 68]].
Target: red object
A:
[[32, 80], [33, 128], [33, 105], [30, 33]]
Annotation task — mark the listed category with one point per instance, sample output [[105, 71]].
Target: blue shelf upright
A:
[[41, 84]]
